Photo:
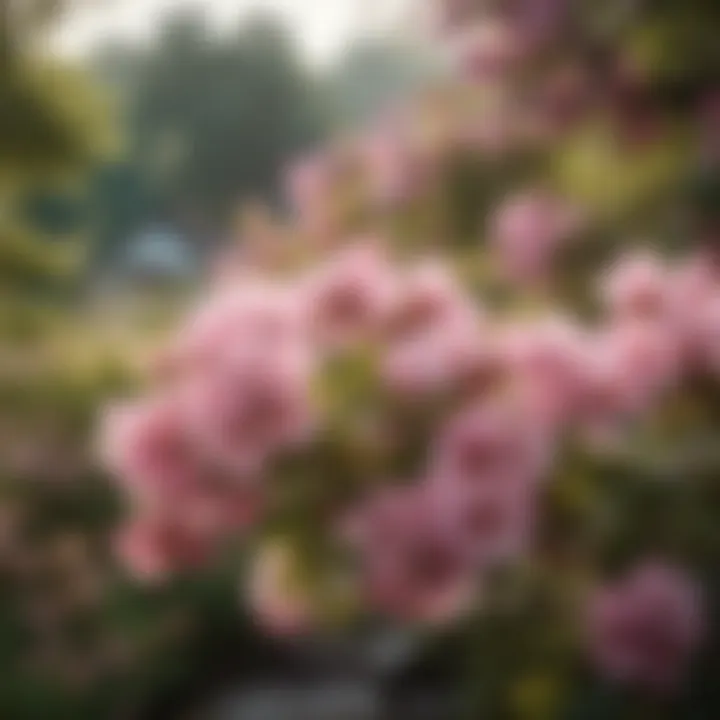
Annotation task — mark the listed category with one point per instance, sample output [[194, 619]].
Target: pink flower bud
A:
[[548, 360], [528, 230], [495, 521], [637, 285], [154, 548], [255, 314], [349, 298], [414, 565], [436, 361], [429, 297], [644, 628], [250, 407], [631, 366], [695, 295], [495, 442], [151, 450]]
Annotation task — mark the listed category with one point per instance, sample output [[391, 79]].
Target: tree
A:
[[51, 118], [214, 118], [53, 125]]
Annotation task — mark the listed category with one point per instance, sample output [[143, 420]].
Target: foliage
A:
[[54, 125]]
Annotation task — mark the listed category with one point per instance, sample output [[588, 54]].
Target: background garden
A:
[[133, 174]]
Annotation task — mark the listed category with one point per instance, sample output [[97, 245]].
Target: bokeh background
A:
[[137, 139]]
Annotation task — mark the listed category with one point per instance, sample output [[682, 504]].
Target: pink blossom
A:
[[695, 296], [151, 450], [184, 502], [429, 297], [528, 230], [496, 521], [637, 285], [644, 628], [382, 519], [693, 281], [259, 315], [348, 299], [436, 361], [153, 548], [703, 335], [548, 360], [437, 335], [494, 442], [631, 365], [414, 565], [221, 506], [251, 406]]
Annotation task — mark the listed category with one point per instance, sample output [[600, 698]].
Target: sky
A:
[[322, 27]]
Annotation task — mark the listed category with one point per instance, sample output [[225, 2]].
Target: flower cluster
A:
[[203, 458], [383, 408]]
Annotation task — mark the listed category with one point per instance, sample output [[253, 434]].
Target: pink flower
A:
[[220, 506], [413, 563], [637, 285], [493, 443], [250, 407], [548, 360], [631, 365], [705, 337], [381, 519], [528, 230], [185, 502], [153, 548], [436, 361], [693, 281], [259, 315], [430, 297], [436, 334], [695, 294], [644, 629], [148, 446], [496, 521], [349, 298]]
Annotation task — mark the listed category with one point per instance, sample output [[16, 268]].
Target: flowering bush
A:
[[439, 397]]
